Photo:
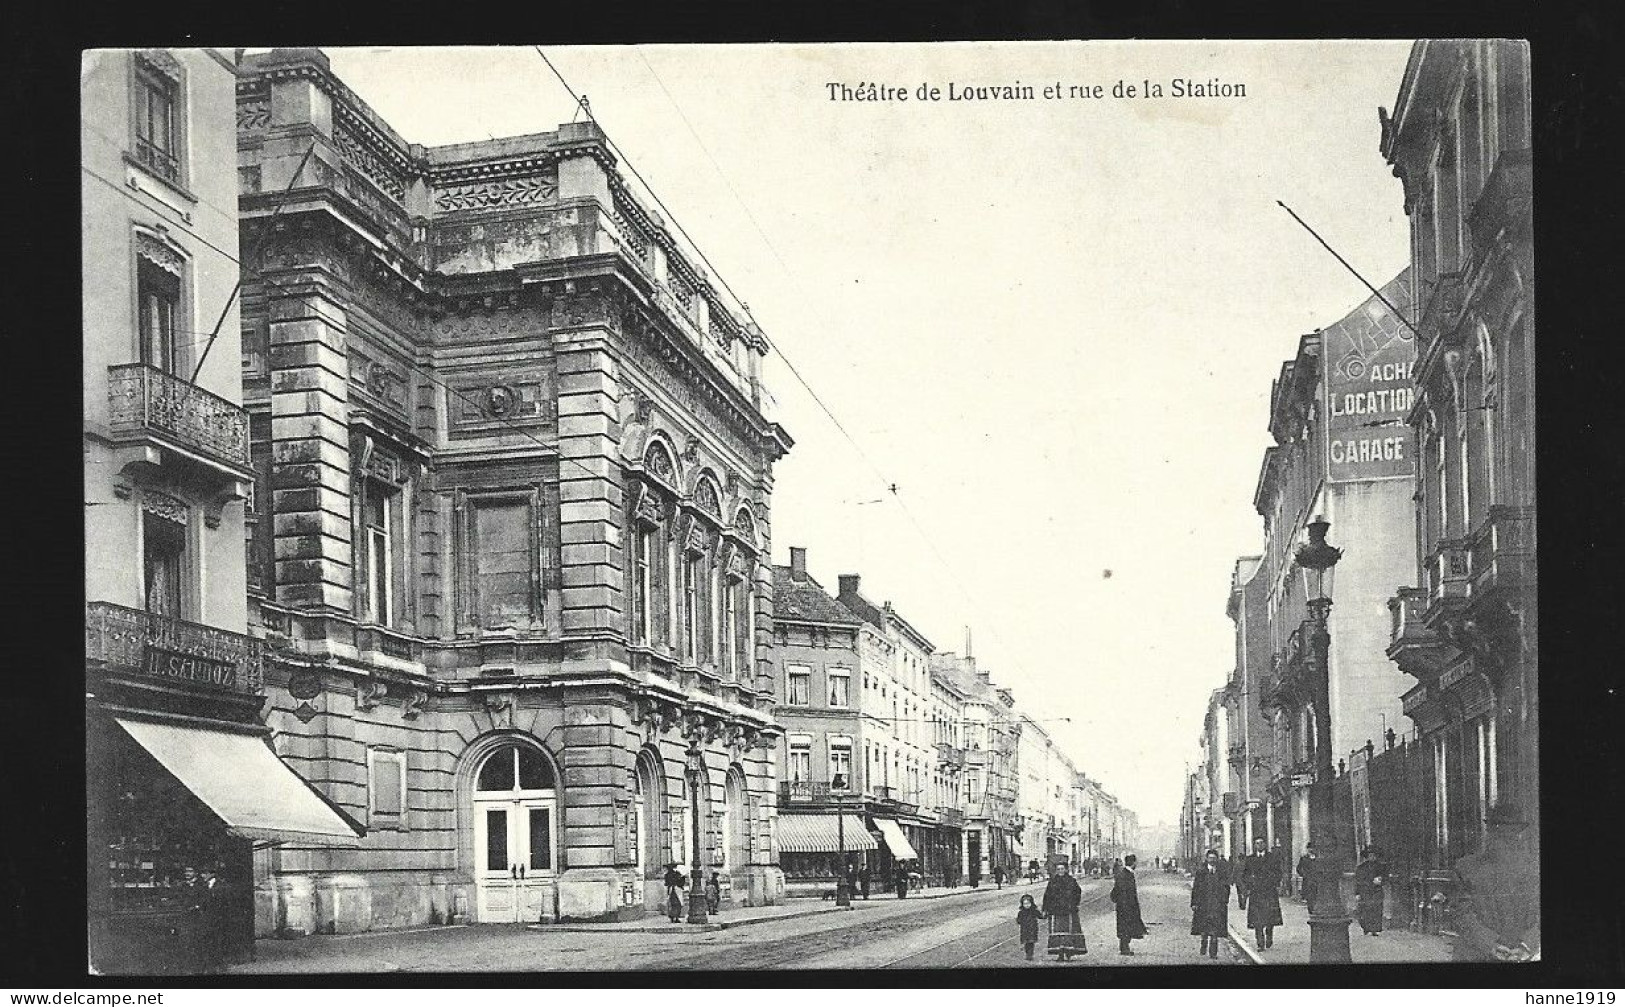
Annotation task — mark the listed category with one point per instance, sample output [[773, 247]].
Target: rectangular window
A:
[[159, 294], [386, 784], [840, 761], [496, 839], [503, 563], [163, 557], [691, 602], [157, 132], [840, 687], [798, 686], [375, 507], [800, 761], [642, 548]]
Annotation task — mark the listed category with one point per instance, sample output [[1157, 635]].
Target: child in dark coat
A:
[[1027, 918]]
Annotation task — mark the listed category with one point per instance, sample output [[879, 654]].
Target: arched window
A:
[[657, 462], [515, 769]]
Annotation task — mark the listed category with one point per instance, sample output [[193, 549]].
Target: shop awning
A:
[[243, 782], [821, 834], [898, 843]]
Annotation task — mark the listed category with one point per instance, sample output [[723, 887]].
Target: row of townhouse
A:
[[1416, 445], [899, 758]]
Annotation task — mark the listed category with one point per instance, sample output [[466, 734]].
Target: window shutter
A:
[[625, 840]]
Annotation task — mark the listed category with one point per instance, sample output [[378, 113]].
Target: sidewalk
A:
[[1291, 945], [790, 909]]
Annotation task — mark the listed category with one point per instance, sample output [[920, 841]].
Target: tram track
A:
[[1002, 927]]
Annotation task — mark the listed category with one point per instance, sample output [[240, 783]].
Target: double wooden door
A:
[[514, 841]]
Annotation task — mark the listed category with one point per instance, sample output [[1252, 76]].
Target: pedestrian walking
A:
[[1496, 899], [675, 882], [1062, 896], [900, 882], [863, 882], [1210, 903], [713, 893], [1369, 878], [1307, 867], [1259, 892], [998, 877], [1027, 919], [1126, 896]]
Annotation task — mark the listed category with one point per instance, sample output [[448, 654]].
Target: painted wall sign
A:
[[1370, 387]]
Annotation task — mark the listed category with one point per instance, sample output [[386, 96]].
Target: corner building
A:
[[508, 549]]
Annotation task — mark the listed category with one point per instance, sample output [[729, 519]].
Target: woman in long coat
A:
[[1260, 890], [675, 882], [1369, 878], [1210, 903], [1062, 897]]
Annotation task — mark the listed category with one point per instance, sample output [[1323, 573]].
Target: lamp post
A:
[[1328, 915], [696, 881], [843, 890]]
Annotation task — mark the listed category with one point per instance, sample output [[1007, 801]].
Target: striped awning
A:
[[822, 834], [898, 843]]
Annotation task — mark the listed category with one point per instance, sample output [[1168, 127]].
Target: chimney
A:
[[985, 675], [798, 562], [968, 651], [849, 583]]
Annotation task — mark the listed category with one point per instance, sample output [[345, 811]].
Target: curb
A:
[[667, 928], [1241, 945]]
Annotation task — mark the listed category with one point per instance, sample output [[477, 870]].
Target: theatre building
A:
[[182, 786], [509, 554]]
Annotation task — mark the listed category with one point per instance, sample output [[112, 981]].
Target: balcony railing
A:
[[144, 399], [133, 642], [161, 162], [1447, 571], [888, 794], [798, 791], [1406, 609], [950, 756], [1501, 552], [951, 817]]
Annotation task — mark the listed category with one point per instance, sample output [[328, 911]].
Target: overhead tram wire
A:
[[579, 101]]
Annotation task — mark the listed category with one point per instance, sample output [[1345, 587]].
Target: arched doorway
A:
[[515, 835], [647, 813]]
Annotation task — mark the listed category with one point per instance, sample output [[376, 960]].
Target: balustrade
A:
[[132, 641], [145, 400]]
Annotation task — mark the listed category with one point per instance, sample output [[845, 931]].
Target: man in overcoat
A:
[[1260, 892], [1370, 877], [1126, 896], [1062, 896], [1210, 903]]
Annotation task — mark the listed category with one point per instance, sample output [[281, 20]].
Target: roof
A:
[[805, 600]]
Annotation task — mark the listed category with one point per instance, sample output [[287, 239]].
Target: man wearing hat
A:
[[1496, 904]]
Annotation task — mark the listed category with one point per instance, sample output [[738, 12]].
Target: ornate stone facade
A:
[[515, 522], [1459, 140]]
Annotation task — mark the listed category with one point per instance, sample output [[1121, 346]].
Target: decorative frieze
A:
[[532, 191]]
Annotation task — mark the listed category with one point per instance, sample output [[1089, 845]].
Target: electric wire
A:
[[890, 485]]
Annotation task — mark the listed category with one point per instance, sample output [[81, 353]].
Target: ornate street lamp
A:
[[1328, 915], [843, 890], [696, 881]]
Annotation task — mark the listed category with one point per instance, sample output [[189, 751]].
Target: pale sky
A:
[[1052, 323]]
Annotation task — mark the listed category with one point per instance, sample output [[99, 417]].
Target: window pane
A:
[[496, 839], [163, 545], [497, 773], [534, 773], [541, 839], [502, 538]]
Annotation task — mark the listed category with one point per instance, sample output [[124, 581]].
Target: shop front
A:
[[182, 786], [813, 849]]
